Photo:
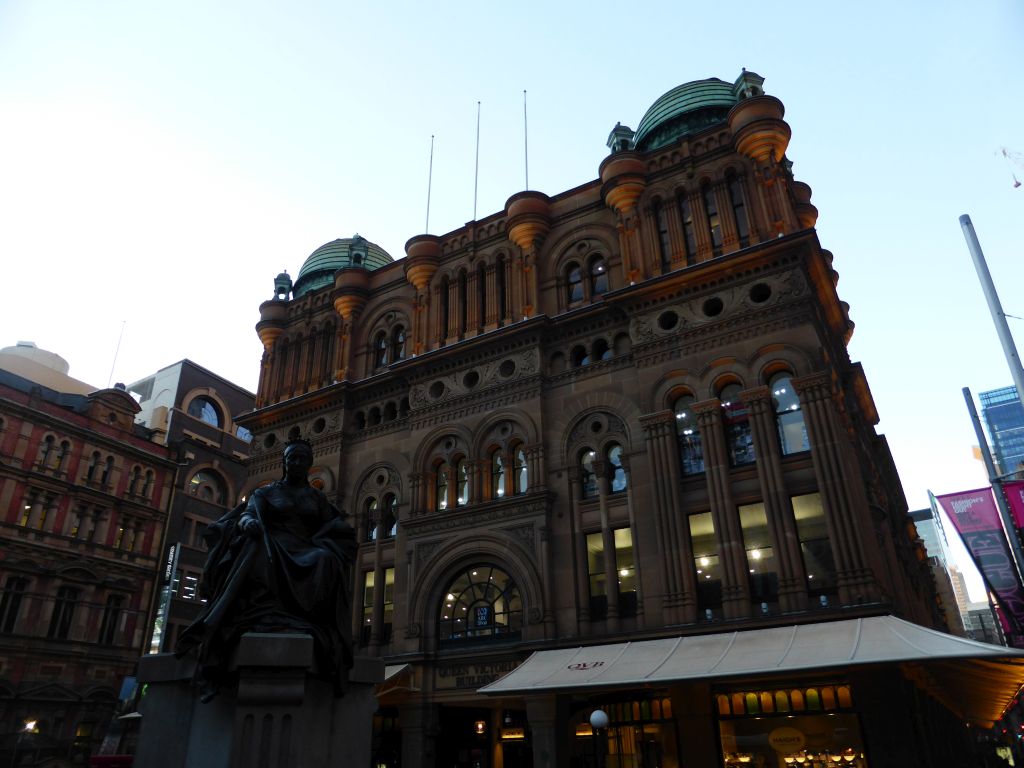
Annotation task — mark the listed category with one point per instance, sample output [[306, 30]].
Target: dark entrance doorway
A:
[[465, 737]]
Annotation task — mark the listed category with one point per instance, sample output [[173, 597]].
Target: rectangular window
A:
[[625, 565], [111, 619], [367, 624], [812, 530], [598, 585], [706, 565], [389, 604], [763, 570]]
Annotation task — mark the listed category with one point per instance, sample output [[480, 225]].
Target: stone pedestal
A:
[[280, 716]]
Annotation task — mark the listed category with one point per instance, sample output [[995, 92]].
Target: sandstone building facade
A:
[[622, 412]]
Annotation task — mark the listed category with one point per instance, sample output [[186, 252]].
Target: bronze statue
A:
[[280, 562]]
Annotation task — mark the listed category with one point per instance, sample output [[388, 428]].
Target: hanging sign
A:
[[976, 518], [1014, 492]]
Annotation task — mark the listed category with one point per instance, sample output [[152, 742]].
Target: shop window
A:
[[639, 733], [520, 472], [689, 232], [204, 409], [498, 475], [812, 531], [613, 453], [736, 422], [370, 518], [208, 485], [380, 350], [574, 283], [111, 618], [789, 417], [398, 343], [763, 574], [63, 613], [739, 209], [713, 221], [691, 452], [706, 565], [10, 603], [598, 276], [588, 478], [482, 604], [625, 568]]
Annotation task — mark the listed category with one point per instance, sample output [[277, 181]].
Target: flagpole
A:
[[476, 170], [995, 480], [994, 306], [526, 146], [430, 180]]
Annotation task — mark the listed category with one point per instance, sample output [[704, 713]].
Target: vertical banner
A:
[[976, 518], [1014, 492]]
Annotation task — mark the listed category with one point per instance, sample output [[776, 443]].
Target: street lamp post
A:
[[598, 722], [28, 727]]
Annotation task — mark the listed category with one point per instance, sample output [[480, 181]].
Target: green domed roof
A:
[[318, 270], [686, 108]]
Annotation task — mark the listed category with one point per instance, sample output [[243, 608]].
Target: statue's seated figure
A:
[[279, 562]]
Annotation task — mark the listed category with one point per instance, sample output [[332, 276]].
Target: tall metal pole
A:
[[986, 456], [998, 316]]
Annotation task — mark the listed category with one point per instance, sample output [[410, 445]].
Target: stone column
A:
[[679, 603], [547, 581], [542, 712], [835, 476], [534, 467], [735, 586], [778, 508], [454, 312], [730, 236], [700, 226], [580, 540]]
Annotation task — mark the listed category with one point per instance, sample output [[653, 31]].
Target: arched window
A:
[[574, 283], [689, 233], [442, 487], [579, 356], [111, 619], [370, 519], [499, 287], [398, 343], [691, 452], [389, 523], [520, 476], [380, 350], [204, 409], [664, 240], [134, 485], [445, 306], [618, 472], [481, 295], [498, 479], [46, 452], [63, 613], [739, 208], [463, 303], [736, 420], [714, 223], [462, 481], [63, 456], [482, 604], [598, 276], [94, 465], [788, 416], [10, 603], [208, 485], [588, 479], [147, 488], [601, 351], [108, 471]]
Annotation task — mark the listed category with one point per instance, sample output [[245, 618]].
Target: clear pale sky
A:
[[160, 163]]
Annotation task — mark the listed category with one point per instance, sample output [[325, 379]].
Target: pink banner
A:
[[976, 518], [1014, 492]]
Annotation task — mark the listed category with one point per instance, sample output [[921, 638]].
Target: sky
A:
[[161, 162]]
